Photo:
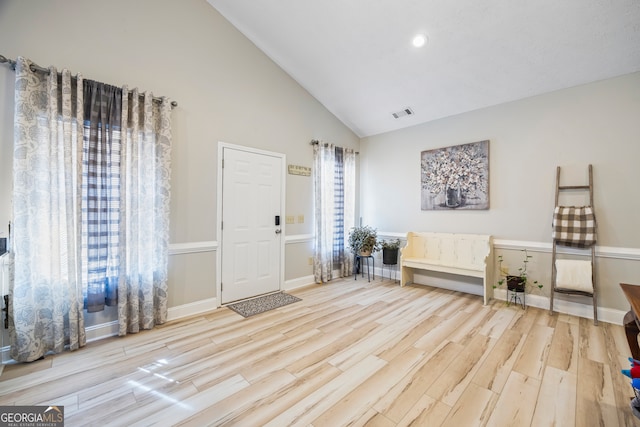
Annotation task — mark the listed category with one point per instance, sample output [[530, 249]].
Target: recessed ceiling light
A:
[[419, 40]]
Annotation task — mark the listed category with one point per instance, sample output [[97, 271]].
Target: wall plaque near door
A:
[[455, 177], [299, 170]]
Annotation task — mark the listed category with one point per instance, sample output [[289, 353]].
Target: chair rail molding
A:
[[614, 252], [298, 238], [544, 247], [192, 247]]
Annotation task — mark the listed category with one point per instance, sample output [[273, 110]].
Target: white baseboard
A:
[[560, 305], [387, 271], [103, 330], [573, 308], [191, 309], [301, 282], [4, 355], [94, 333], [110, 329], [469, 285], [298, 282]]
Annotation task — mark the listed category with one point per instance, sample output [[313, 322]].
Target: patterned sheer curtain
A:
[[145, 197], [334, 197], [45, 311], [91, 209]]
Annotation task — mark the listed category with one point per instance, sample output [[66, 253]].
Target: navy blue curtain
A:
[[338, 219], [101, 193]]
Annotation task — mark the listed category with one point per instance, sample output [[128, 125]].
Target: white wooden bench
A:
[[462, 254]]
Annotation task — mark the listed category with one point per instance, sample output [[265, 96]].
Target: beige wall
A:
[[229, 91], [598, 123], [226, 88]]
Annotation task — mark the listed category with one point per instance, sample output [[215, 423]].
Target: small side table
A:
[[366, 258]]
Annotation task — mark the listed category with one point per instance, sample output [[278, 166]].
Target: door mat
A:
[[261, 304]]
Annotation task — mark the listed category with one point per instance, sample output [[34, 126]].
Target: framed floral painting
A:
[[455, 177]]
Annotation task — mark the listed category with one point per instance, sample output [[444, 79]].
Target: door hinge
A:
[[221, 286], [222, 163], [221, 225]]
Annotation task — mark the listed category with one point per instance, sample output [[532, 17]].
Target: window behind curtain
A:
[[49, 244]]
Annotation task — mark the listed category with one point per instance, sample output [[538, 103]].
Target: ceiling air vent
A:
[[406, 112]]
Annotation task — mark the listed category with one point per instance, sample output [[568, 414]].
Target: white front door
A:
[[251, 238]]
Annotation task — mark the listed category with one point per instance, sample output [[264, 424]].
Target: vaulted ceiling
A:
[[356, 56]]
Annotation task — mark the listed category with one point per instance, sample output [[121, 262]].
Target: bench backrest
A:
[[451, 249]]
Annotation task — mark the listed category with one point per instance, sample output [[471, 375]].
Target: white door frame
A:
[[283, 175]]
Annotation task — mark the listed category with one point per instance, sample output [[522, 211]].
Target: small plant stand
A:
[[359, 260], [513, 295], [390, 259], [516, 289]]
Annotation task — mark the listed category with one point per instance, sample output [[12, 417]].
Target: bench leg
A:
[[406, 276]]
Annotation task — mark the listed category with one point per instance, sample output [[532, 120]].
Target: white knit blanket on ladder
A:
[[575, 275]]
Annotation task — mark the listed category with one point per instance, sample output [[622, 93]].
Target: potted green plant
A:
[[390, 251], [363, 240], [516, 282]]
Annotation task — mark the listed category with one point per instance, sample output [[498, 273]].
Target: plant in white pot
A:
[[363, 240]]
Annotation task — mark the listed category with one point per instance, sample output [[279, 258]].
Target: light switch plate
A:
[[290, 219], [300, 219]]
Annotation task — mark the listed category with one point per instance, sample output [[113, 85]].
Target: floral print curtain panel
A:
[[91, 209], [45, 293], [144, 231]]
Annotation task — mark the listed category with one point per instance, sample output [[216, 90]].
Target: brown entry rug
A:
[[261, 304]]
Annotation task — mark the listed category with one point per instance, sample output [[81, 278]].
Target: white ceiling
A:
[[356, 57]]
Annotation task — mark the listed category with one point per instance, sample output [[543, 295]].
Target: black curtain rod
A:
[[38, 69], [316, 142]]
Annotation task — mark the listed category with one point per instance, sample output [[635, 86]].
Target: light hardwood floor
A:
[[350, 353]]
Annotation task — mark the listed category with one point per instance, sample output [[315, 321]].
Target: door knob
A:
[[278, 231]]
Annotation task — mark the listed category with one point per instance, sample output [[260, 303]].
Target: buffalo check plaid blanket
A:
[[574, 226]]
